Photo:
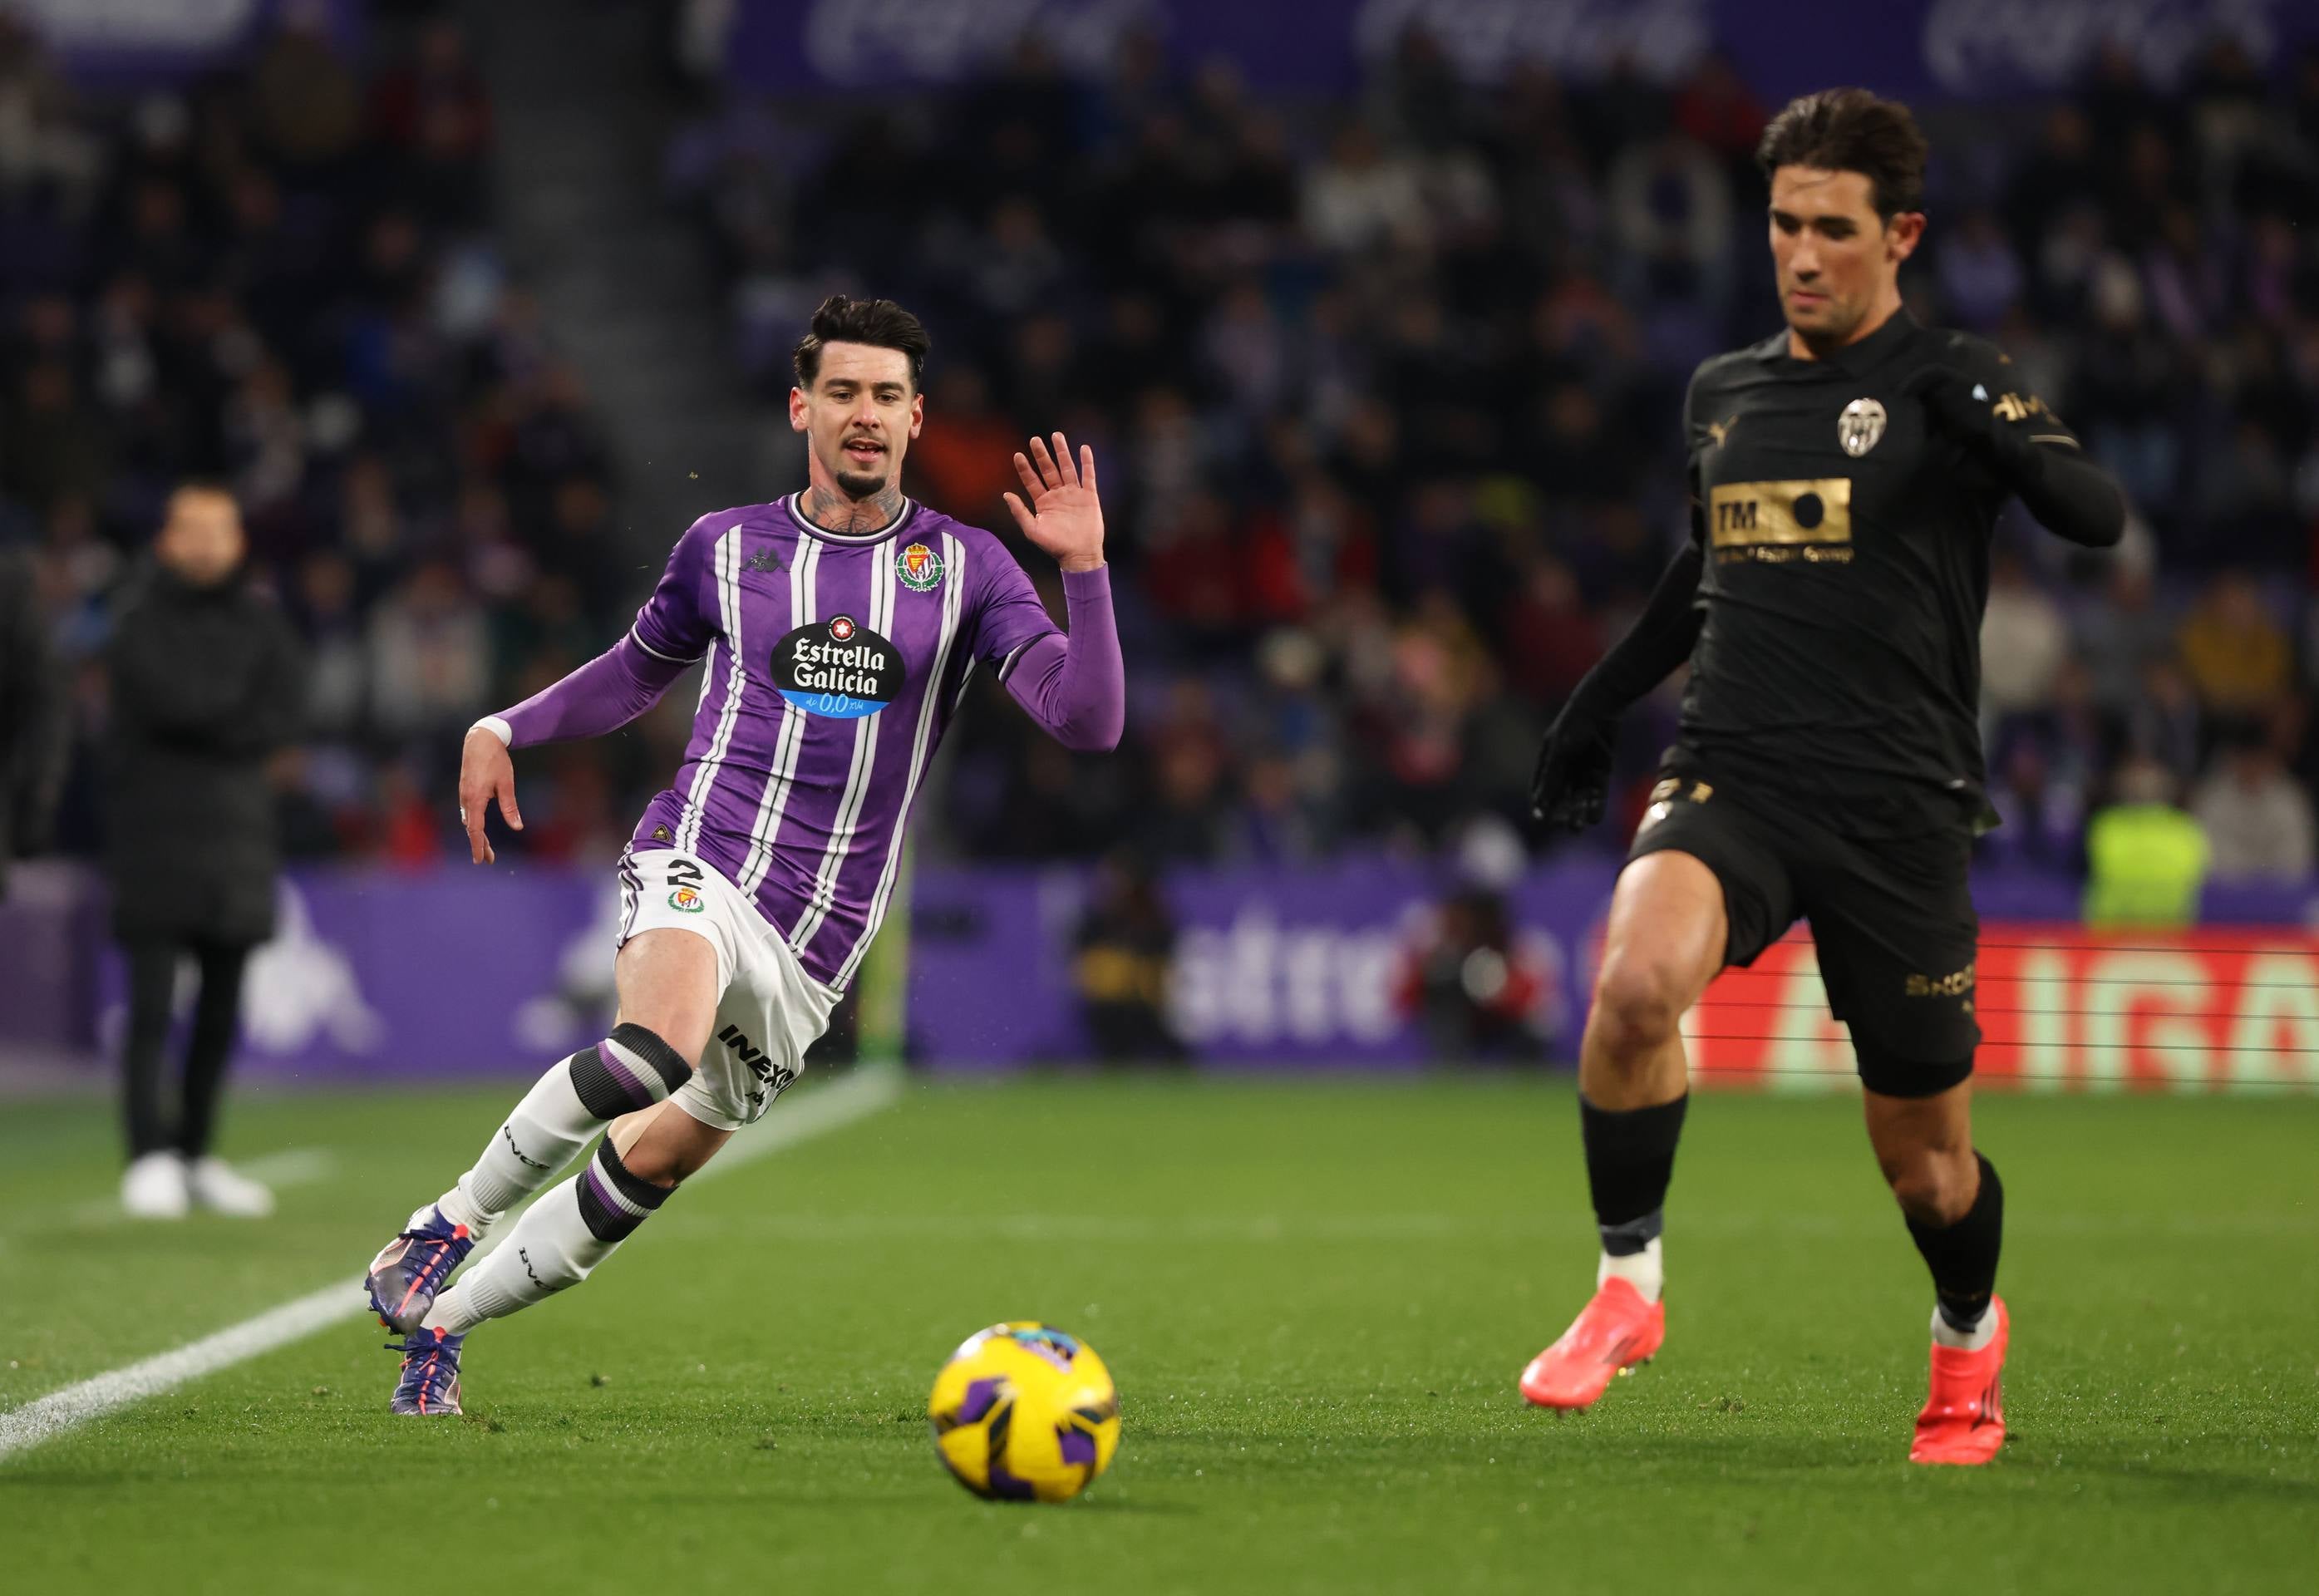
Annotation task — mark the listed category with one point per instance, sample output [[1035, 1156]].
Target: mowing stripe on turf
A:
[[1177, 1230], [813, 1113]]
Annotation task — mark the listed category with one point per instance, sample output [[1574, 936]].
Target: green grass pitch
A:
[[1316, 1296]]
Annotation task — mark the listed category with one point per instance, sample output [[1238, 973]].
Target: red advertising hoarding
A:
[[2061, 1008]]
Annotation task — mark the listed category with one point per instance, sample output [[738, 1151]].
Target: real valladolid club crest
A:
[[919, 567], [688, 900], [1861, 427]]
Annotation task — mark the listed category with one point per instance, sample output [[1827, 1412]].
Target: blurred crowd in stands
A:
[[283, 278], [1387, 392]]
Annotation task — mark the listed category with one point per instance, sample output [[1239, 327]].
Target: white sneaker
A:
[[217, 1186], [155, 1187]]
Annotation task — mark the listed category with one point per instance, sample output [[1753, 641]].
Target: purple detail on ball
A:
[[1005, 1487], [639, 1093], [1078, 1447], [978, 1398]]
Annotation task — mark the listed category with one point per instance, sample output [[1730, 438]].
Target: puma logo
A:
[[1717, 431], [1990, 1408]]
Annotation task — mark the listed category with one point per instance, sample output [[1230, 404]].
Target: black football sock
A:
[[1962, 1256], [1629, 1159]]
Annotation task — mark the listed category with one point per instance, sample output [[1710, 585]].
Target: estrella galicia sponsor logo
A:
[[837, 668], [919, 568]]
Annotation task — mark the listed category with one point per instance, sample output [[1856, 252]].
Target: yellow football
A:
[[1024, 1413]]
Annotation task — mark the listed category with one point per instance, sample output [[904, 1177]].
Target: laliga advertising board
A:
[[2061, 1009], [1288, 970]]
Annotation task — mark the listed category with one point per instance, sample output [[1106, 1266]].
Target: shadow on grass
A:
[[26, 1477], [1110, 1505], [2206, 1487], [919, 1497]]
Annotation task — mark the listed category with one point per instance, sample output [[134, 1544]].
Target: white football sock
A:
[[538, 1138], [1979, 1336], [630, 1070], [557, 1243], [549, 1249], [1645, 1271]]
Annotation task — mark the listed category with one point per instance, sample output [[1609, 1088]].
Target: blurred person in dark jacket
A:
[[35, 721], [1126, 948], [205, 689]]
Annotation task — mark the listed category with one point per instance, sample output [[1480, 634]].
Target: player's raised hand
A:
[[486, 775], [1064, 517], [1571, 784]]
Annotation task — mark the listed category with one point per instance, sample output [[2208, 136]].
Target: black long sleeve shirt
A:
[[1829, 599]]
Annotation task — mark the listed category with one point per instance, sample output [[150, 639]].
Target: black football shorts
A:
[[1892, 919]]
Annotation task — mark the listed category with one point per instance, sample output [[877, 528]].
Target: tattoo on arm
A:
[[834, 512]]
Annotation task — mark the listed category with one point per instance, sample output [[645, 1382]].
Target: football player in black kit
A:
[[1846, 475]]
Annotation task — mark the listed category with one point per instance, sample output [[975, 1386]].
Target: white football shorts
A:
[[769, 1010]]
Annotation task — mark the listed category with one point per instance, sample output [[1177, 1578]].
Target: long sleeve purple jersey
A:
[[835, 664]]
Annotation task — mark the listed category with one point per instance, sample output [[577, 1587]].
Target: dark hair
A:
[[879, 322], [1850, 130]]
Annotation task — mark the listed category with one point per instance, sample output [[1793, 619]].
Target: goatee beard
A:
[[1829, 335]]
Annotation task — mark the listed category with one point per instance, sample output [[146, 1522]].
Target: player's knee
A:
[[1638, 1001], [1934, 1189], [616, 1197], [665, 1146], [658, 1165], [631, 1069]]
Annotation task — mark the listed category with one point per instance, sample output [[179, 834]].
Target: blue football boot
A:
[[429, 1381], [410, 1270]]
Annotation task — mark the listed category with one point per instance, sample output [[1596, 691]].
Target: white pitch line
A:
[[814, 1114]]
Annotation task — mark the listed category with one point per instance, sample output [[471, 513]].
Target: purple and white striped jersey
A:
[[835, 664]]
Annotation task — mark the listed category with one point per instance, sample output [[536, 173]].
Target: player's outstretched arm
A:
[[486, 776], [601, 696], [2023, 445], [1571, 784], [2073, 498], [1074, 685], [1064, 516]]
